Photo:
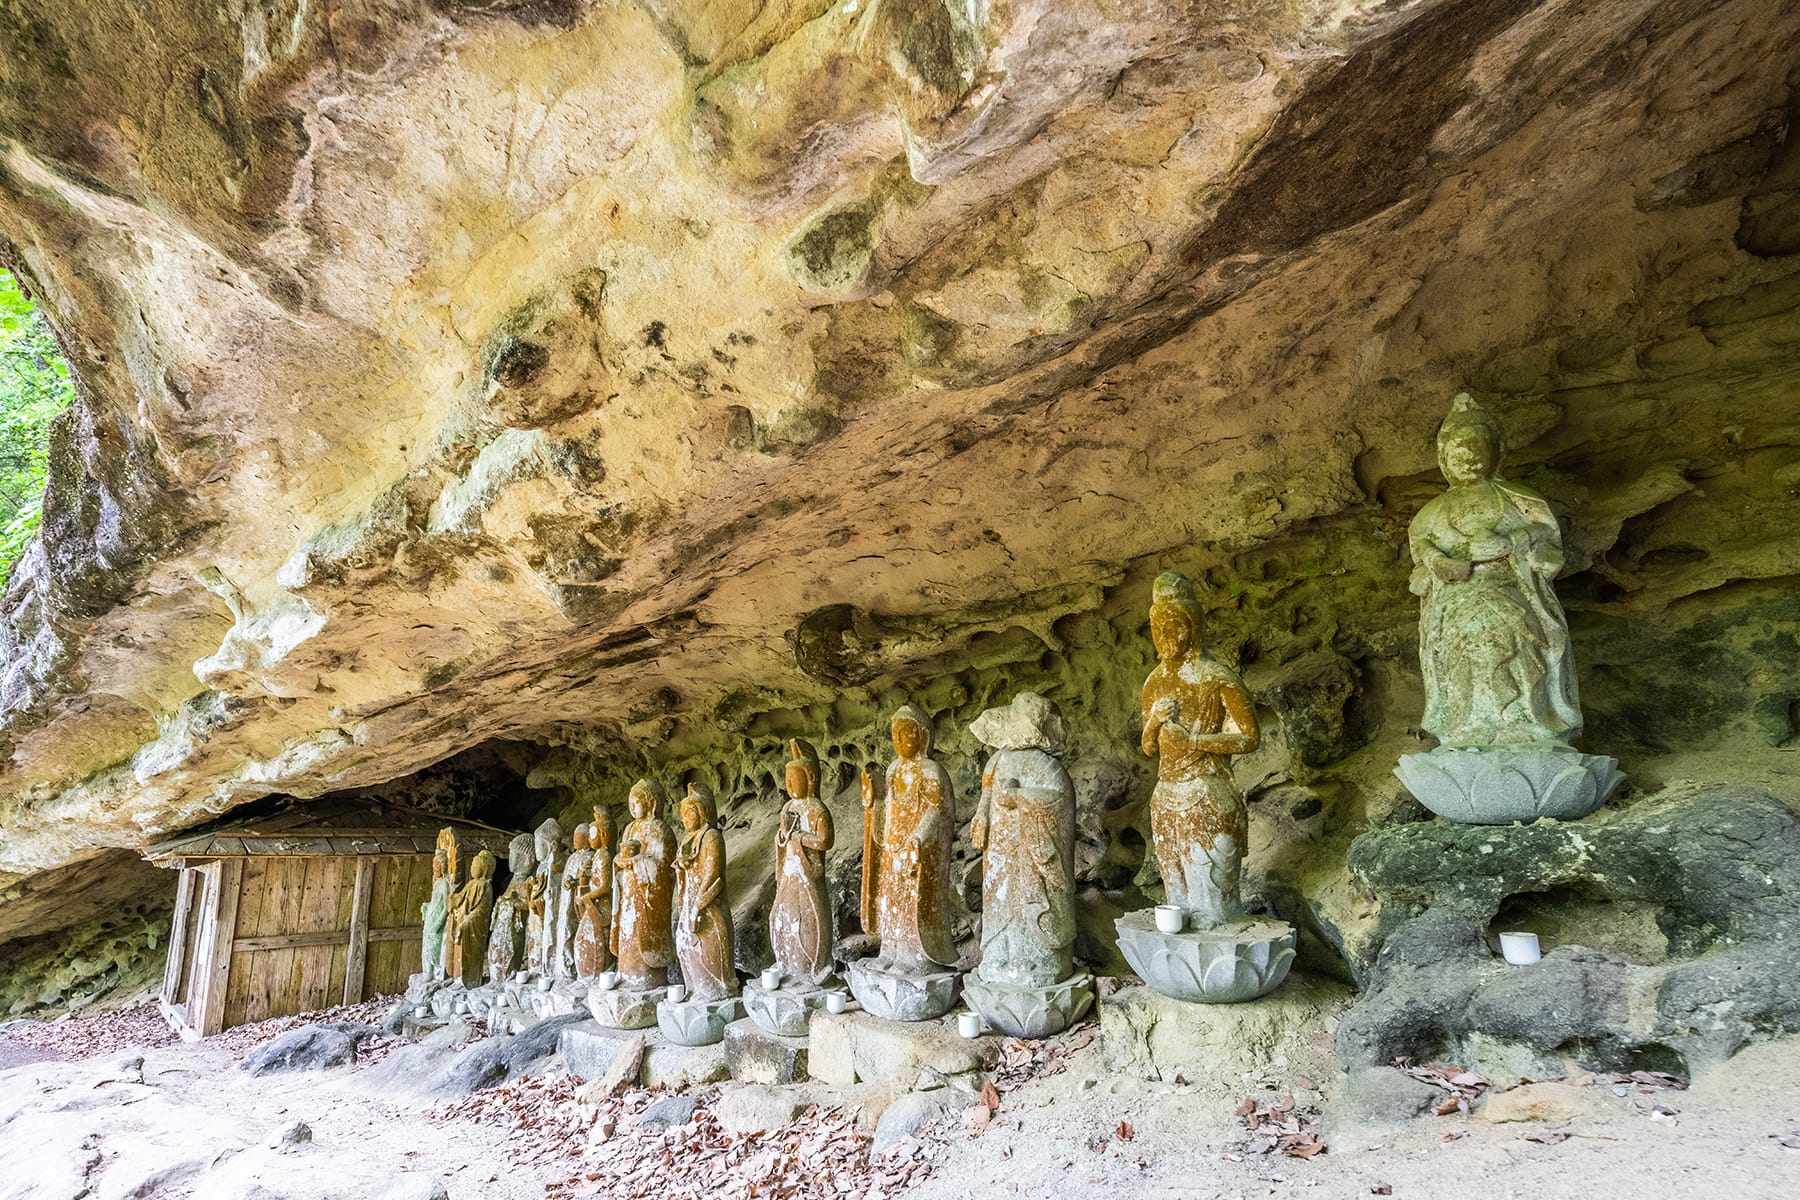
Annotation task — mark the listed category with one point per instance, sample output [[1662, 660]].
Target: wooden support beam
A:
[[358, 960], [178, 947], [226, 883]]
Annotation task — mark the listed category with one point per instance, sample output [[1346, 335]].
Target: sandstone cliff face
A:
[[637, 383]]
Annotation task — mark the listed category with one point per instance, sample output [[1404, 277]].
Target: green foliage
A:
[[34, 387]]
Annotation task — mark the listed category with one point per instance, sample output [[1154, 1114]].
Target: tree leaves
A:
[[35, 386]]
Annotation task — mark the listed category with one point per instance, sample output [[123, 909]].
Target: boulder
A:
[[1152, 1036], [670, 1110], [753, 1055], [308, 1048], [412, 1186], [843, 1048], [1370, 1105], [909, 1116], [589, 1048]]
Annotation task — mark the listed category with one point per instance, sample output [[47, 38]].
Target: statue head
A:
[[548, 839], [645, 800], [698, 808], [802, 770], [601, 832], [519, 859], [440, 863], [1471, 442], [1030, 722], [482, 867], [581, 837], [911, 731], [1176, 622]]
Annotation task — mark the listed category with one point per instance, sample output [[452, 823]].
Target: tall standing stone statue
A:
[[800, 926], [1197, 715], [906, 882], [593, 902], [574, 882], [1500, 692], [1025, 830], [545, 899], [435, 911], [506, 932], [642, 929], [703, 934], [468, 924]]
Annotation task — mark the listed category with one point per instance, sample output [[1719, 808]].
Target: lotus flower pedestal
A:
[[899, 997], [784, 1010], [1030, 1012], [625, 1008], [1226, 965], [696, 1022], [1501, 784]]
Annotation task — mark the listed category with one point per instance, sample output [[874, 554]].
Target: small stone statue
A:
[[703, 940], [800, 919], [1500, 693], [906, 882], [1197, 715], [1025, 829], [467, 927], [435, 911], [593, 902], [644, 888], [506, 933], [574, 881], [541, 899]]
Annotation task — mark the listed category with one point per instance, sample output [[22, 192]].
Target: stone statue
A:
[[506, 933], [703, 940], [541, 899], [1493, 644], [434, 912], [467, 927], [1025, 830], [594, 903], [574, 882], [643, 892], [1197, 715], [800, 919], [906, 882]]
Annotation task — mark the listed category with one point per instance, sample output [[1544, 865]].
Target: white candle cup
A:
[[771, 979], [968, 1024], [462, 1008], [422, 1012], [676, 993], [608, 980], [1520, 949], [836, 1002], [521, 976], [545, 983], [1170, 918]]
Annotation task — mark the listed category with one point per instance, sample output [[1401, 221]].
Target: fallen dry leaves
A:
[[244, 1038], [1460, 1087], [139, 1028], [1279, 1124], [1021, 1060], [824, 1155]]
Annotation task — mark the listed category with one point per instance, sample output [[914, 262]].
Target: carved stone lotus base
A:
[[624, 1008], [1030, 1012], [1502, 784], [899, 997], [696, 1022], [443, 1000], [784, 1010], [564, 997], [1227, 965]]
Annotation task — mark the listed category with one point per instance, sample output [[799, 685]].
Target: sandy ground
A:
[[190, 1126]]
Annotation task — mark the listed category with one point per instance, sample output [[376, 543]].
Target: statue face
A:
[[440, 864], [799, 781], [641, 803], [909, 739], [693, 816], [1172, 632], [1468, 456], [581, 837]]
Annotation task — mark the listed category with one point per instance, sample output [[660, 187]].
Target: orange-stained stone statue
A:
[[906, 890], [1196, 716], [467, 926], [593, 902], [643, 892], [703, 939], [800, 920], [506, 933], [574, 879]]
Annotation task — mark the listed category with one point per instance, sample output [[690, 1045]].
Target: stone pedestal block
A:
[[678, 1068], [902, 997], [696, 1022], [564, 997], [843, 1048], [1502, 784], [1152, 1036], [587, 1048], [624, 1008], [1226, 965], [783, 1010], [755, 1055], [1030, 1012]]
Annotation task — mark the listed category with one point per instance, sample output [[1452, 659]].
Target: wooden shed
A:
[[301, 909]]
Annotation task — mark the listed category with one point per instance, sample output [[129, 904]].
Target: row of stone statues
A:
[[1501, 699]]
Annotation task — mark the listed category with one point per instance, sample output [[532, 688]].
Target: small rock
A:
[[906, 1117], [412, 1186], [294, 1134], [1537, 1102], [1371, 1103], [757, 1109], [621, 1073], [308, 1048], [667, 1112]]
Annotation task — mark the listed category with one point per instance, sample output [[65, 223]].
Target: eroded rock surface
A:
[[638, 384]]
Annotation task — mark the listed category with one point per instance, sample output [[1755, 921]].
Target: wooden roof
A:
[[330, 827]]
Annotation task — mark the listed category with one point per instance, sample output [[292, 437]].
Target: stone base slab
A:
[[903, 997], [847, 1047], [624, 1008], [1148, 1035], [1030, 1012], [1227, 965], [1502, 784], [755, 1055], [696, 1022]]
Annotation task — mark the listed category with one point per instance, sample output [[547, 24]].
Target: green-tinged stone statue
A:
[[435, 911]]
